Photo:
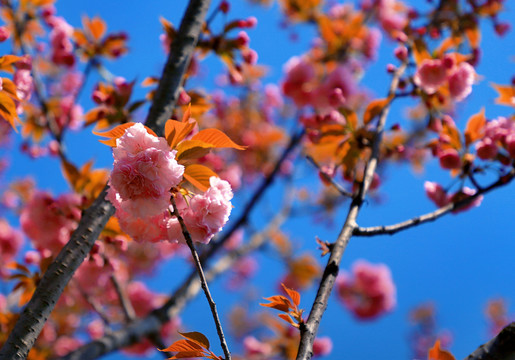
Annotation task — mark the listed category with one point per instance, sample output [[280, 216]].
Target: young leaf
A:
[[198, 176], [278, 302], [475, 127], [176, 131], [373, 109], [183, 346], [118, 132], [506, 94], [192, 149], [217, 139], [197, 337], [188, 355], [295, 296], [435, 353], [288, 319], [8, 110]]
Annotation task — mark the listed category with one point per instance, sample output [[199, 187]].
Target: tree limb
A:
[[501, 347], [59, 273], [181, 50], [141, 328], [432, 216], [309, 329]]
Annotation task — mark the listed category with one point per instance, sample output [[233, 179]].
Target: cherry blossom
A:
[[369, 291]]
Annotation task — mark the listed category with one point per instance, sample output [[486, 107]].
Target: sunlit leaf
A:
[[374, 108], [506, 94], [118, 132], [197, 337], [475, 126], [435, 353], [176, 131], [294, 295], [217, 138], [199, 175]]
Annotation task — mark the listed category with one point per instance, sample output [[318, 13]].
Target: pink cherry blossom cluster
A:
[[499, 133], [391, 14], [206, 215], [369, 291], [49, 222], [448, 156], [11, 241], [23, 81], [440, 197], [60, 38], [434, 73], [144, 172], [302, 86]]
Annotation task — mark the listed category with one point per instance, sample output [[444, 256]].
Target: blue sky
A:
[[458, 263]]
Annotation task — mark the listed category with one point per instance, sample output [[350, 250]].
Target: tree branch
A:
[[432, 216], [188, 290], [203, 280], [309, 329], [59, 273], [329, 178], [181, 51], [501, 347]]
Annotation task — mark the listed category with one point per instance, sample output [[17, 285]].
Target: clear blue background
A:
[[458, 263]]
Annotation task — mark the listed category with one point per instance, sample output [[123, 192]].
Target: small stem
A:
[[128, 309], [203, 281], [329, 178], [432, 216], [98, 309]]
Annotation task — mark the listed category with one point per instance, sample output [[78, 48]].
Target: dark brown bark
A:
[[501, 347]]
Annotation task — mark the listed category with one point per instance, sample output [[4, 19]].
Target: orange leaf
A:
[[97, 27], [474, 36], [9, 87], [15, 266], [475, 126], [183, 345], [453, 134], [8, 110], [118, 132], [374, 108], [176, 131], [420, 52], [288, 319], [217, 138], [7, 61], [295, 296], [435, 353], [199, 175], [278, 302], [149, 81], [188, 355], [192, 149], [197, 337], [506, 94]]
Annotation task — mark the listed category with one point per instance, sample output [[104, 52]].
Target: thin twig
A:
[[329, 178], [127, 308], [432, 216], [309, 329], [203, 280], [96, 307]]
